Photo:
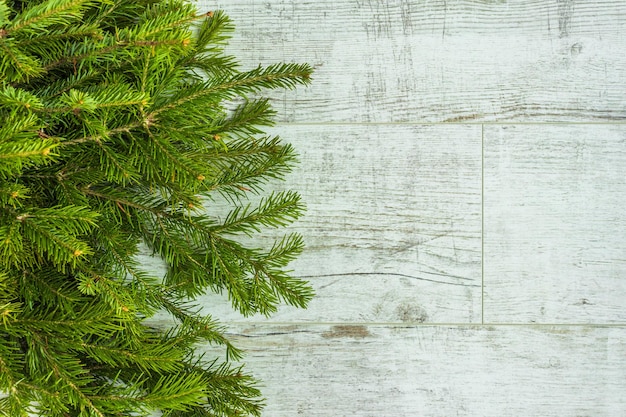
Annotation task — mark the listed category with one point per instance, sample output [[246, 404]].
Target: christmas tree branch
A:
[[116, 124], [47, 13]]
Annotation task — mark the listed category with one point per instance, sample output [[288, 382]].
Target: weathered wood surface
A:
[[438, 60], [438, 371], [432, 179], [393, 223], [555, 224]]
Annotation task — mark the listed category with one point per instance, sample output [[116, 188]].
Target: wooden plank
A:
[[392, 227], [357, 370], [434, 61], [555, 248]]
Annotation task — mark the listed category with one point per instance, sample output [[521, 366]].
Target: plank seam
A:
[[482, 222], [422, 324], [417, 123]]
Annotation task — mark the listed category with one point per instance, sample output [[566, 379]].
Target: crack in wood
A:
[[393, 274]]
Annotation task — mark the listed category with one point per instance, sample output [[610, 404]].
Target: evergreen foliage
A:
[[120, 121]]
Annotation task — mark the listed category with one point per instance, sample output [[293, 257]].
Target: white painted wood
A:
[[373, 371], [555, 224], [394, 222], [392, 227], [438, 60]]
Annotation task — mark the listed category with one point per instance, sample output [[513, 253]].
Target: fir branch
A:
[[91, 319], [13, 195], [7, 312], [72, 219], [213, 32], [248, 172], [13, 251], [18, 127], [101, 50], [55, 233], [117, 95], [172, 164], [274, 76], [121, 53], [17, 402], [8, 285], [245, 120], [276, 210], [194, 327], [68, 370], [124, 200], [232, 392], [58, 246], [37, 151], [271, 77], [55, 37], [115, 166], [48, 13], [72, 81], [113, 293], [100, 16], [177, 392], [173, 248], [154, 356], [116, 147], [50, 289], [150, 288], [4, 15], [210, 65], [11, 372], [16, 66], [15, 97], [268, 284], [102, 136], [160, 19]]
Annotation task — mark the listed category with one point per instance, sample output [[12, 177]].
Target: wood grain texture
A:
[[393, 224], [555, 246], [400, 212], [373, 371], [438, 60]]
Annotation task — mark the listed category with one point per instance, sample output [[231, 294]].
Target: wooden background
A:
[[463, 163]]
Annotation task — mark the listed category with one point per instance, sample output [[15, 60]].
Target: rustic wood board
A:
[[393, 224], [438, 60], [417, 158], [555, 224], [357, 370]]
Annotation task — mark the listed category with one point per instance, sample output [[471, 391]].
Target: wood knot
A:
[[355, 332]]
